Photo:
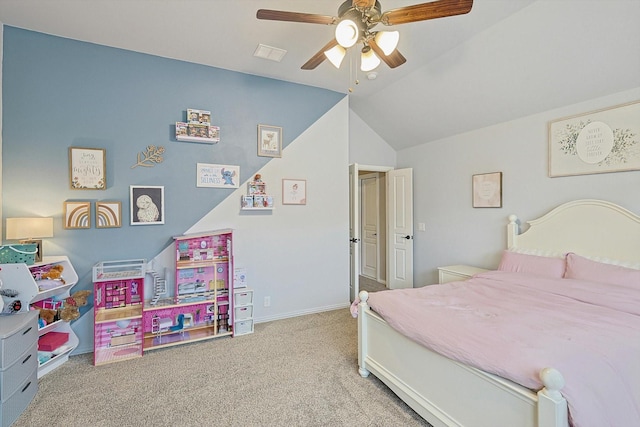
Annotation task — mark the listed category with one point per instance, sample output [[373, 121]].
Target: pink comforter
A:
[[513, 325]]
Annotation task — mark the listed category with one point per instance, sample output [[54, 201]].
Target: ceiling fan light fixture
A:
[[368, 60], [387, 40], [335, 55], [347, 33]]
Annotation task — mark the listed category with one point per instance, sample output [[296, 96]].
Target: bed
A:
[[446, 392]]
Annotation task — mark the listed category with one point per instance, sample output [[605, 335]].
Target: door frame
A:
[[354, 284]]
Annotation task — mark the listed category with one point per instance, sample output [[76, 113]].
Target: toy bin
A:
[[17, 254], [243, 313]]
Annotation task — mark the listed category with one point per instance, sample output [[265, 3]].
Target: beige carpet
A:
[[294, 372]]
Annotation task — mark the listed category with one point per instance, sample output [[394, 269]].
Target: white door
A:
[[400, 228], [369, 224], [354, 232]]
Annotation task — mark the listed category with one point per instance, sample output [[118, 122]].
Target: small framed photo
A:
[[269, 141], [487, 190], [108, 214], [147, 205], [87, 168], [294, 191], [77, 215]]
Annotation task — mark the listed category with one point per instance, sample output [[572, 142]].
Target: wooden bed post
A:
[[552, 407], [362, 334]]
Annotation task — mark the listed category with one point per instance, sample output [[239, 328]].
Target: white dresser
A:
[[18, 364]]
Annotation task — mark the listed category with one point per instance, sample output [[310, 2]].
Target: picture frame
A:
[[217, 176], [146, 204], [487, 190], [269, 141], [87, 168], [601, 141], [108, 214], [294, 191], [77, 215]]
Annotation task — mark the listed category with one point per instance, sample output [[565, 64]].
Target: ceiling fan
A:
[[355, 24]]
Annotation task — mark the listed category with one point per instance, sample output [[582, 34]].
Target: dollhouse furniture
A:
[[18, 364], [243, 311], [199, 306], [118, 288]]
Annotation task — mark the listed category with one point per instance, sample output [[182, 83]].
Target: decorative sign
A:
[[217, 176], [87, 168], [601, 141]]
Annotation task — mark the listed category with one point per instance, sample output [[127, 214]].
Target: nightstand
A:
[[451, 273]]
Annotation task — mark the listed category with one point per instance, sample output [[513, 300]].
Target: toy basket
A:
[[15, 254]]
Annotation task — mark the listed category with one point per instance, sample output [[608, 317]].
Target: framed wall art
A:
[[217, 176], [147, 205], [87, 168], [108, 214], [601, 141], [294, 191], [77, 215], [487, 190], [269, 141]]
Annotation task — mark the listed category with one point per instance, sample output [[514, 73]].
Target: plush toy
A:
[[48, 315], [71, 308], [54, 273]]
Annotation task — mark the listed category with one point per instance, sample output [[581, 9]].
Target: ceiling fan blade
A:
[[309, 18], [424, 11], [393, 60], [364, 4], [319, 56]]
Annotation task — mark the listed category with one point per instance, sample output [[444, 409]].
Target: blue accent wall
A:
[[59, 93]]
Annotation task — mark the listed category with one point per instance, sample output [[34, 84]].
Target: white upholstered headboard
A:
[[591, 228]]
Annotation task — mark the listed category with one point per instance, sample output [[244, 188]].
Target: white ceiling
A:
[[503, 60]]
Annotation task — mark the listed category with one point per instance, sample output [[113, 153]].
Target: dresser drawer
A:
[[17, 333], [11, 409], [14, 375]]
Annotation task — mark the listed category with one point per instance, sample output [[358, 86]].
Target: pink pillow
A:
[[585, 269], [532, 264]]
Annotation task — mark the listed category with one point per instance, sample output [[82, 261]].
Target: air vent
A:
[[270, 53]]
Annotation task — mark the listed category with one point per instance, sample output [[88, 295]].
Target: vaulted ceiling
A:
[[503, 60]]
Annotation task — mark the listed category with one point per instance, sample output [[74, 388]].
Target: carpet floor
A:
[[300, 371]]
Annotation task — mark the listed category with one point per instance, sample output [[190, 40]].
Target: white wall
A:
[[366, 147], [296, 255], [456, 233]]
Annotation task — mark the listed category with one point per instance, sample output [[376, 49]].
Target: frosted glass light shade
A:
[[27, 228], [347, 33], [368, 60], [387, 40], [336, 55]]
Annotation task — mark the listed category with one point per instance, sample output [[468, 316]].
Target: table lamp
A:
[[28, 229]]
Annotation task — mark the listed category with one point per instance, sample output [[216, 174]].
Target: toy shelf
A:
[[203, 263], [121, 313], [59, 355], [169, 339], [53, 291]]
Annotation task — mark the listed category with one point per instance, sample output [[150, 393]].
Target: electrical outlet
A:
[[267, 301], [421, 226]]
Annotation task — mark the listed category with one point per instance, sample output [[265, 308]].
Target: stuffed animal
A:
[[54, 273], [71, 308], [47, 315]]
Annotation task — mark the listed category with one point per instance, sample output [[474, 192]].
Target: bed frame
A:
[[448, 393]]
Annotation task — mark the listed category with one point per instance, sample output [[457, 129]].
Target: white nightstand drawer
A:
[[452, 273]]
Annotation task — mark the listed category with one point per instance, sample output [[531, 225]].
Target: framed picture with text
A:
[[487, 190], [87, 168]]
